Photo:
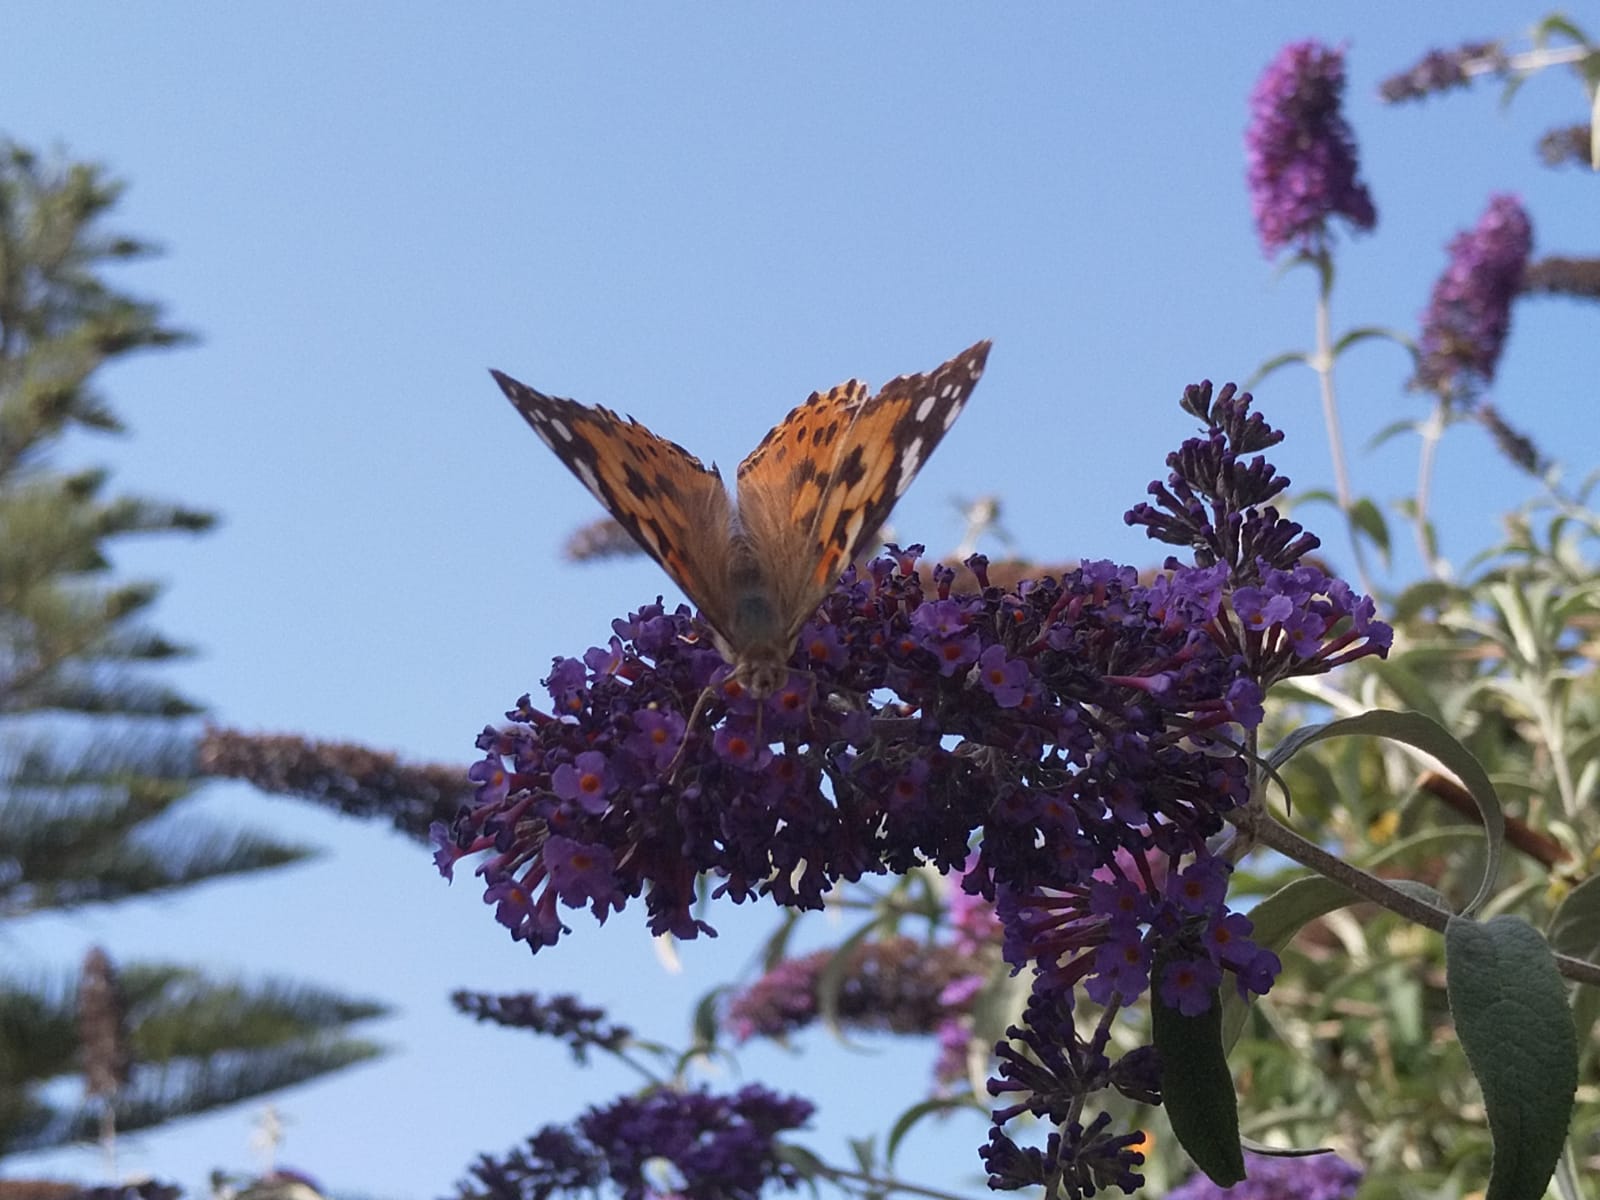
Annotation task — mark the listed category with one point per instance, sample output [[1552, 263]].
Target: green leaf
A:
[[1317, 496], [1392, 430], [1510, 1010], [776, 947], [1367, 517], [1275, 364], [1427, 735], [1430, 593], [1575, 930], [1575, 925], [706, 1022], [1286, 912], [808, 1165], [938, 1104], [1364, 332], [1267, 1151], [1558, 24], [1196, 1089]]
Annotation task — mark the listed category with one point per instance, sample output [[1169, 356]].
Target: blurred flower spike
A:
[[1301, 153], [1311, 1177], [1465, 325]]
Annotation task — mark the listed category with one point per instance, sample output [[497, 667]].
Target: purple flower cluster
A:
[[1300, 152], [693, 1145], [1465, 325], [1253, 591], [1078, 703], [1105, 934], [1271, 1177]]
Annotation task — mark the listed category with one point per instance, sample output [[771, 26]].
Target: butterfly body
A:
[[807, 498]]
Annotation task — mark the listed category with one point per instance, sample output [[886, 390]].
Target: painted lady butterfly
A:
[[819, 484]]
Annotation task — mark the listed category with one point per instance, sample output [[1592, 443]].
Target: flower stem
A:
[[1322, 363], [1271, 833], [1432, 431]]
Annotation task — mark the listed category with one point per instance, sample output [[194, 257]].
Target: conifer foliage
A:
[[96, 751]]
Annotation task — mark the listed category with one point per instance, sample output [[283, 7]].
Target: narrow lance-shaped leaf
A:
[[1197, 1090], [1427, 735]]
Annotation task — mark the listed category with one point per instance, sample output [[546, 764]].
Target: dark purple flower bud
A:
[[1301, 153], [1466, 322], [1076, 1160]]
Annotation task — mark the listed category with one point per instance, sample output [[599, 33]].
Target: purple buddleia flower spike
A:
[[1301, 154], [1465, 325]]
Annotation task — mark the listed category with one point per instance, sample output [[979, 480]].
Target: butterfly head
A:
[[760, 669]]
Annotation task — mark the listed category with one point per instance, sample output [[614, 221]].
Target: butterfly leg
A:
[[688, 729]]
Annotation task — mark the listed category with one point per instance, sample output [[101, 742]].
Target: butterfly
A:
[[820, 484]]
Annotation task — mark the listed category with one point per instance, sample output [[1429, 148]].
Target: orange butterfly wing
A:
[[676, 509], [826, 478]]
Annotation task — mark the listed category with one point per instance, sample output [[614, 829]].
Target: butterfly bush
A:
[[1071, 746], [1300, 152], [1465, 325]]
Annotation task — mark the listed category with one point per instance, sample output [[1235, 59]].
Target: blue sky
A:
[[696, 215]]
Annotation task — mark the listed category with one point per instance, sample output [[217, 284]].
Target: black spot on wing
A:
[[851, 469]]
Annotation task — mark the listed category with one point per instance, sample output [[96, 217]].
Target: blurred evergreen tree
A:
[[96, 754]]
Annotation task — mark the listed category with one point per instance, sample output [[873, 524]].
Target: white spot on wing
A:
[[926, 407], [586, 473], [910, 464], [950, 416], [562, 430]]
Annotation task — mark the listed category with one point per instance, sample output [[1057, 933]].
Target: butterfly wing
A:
[[676, 509], [825, 479]]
